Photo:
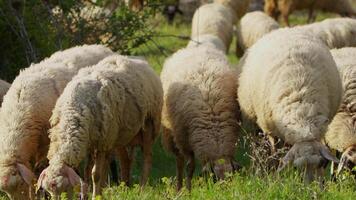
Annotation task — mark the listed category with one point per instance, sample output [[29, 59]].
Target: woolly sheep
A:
[[103, 108], [4, 87], [247, 35], [199, 110], [239, 7], [208, 39], [341, 134], [214, 19], [286, 7], [25, 112], [335, 33], [289, 87]]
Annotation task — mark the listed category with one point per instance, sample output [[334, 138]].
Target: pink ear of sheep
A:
[[73, 177], [25, 173], [40, 179]]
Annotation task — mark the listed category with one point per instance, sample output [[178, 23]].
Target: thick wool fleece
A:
[[335, 33], [239, 7], [208, 39], [199, 103], [248, 34], [214, 19], [103, 107], [342, 132], [28, 104], [292, 91]]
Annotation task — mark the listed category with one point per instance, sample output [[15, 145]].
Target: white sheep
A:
[[239, 7], [103, 108], [4, 87], [251, 28], [200, 111], [341, 134], [214, 19], [208, 39], [335, 33], [289, 86], [25, 112]]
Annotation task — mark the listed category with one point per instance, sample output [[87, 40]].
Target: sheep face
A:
[[348, 159], [311, 156], [58, 179], [16, 180], [220, 167]]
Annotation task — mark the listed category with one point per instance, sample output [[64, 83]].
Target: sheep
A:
[[102, 109], [208, 39], [214, 19], [199, 111], [239, 7], [284, 7], [341, 134], [335, 33], [25, 112], [247, 35], [4, 87], [288, 86]]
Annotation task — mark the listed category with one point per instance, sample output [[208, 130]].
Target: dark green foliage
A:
[[32, 30]]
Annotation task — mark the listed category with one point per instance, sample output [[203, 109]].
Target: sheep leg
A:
[[98, 172], [124, 166], [190, 171], [180, 167], [147, 154], [272, 143]]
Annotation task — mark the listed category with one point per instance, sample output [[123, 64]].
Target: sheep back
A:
[[199, 103], [214, 19], [104, 106], [292, 91], [247, 35]]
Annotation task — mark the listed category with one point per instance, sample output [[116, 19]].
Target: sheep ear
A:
[[26, 174], [286, 160], [40, 180], [73, 177], [327, 154]]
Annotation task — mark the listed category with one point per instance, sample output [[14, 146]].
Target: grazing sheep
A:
[[247, 35], [4, 87], [335, 33], [239, 7], [208, 39], [341, 134], [285, 7], [289, 86], [214, 19], [25, 112], [200, 111], [102, 109]]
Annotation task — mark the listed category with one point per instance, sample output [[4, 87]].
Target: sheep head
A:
[[220, 167], [16, 180], [348, 159], [311, 156], [57, 179]]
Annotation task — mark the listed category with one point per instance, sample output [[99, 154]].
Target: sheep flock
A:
[[66, 119]]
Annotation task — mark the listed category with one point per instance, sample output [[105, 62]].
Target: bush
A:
[[32, 30]]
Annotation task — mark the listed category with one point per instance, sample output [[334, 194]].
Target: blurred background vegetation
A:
[[31, 30]]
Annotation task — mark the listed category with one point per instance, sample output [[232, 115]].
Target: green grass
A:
[[243, 185]]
